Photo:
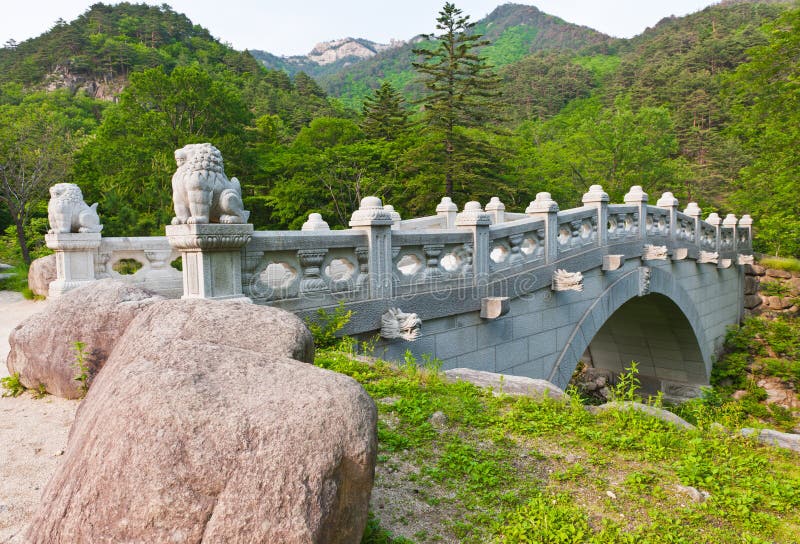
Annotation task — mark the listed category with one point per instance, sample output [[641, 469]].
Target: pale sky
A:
[[286, 27]]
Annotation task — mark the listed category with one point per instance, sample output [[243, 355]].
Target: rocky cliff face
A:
[[332, 51], [326, 56]]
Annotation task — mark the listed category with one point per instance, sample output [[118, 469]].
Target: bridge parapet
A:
[[384, 261]]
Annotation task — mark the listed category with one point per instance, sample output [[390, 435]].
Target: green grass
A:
[[12, 386], [781, 263], [506, 469]]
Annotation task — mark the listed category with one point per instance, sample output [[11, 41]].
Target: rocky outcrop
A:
[[205, 425], [771, 291], [336, 50], [506, 383], [41, 273], [42, 347]]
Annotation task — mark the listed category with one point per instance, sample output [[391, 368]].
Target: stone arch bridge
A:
[[519, 293]]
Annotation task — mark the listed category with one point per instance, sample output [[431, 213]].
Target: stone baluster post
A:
[[478, 221], [638, 197], [730, 222], [75, 254], [212, 258], [496, 210], [670, 203], [545, 208], [377, 222], [746, 222], [447, 210], [395, 215], [597, 198], [694, 211], [715, 221]]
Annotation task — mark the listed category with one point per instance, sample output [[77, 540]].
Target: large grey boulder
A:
[[41, 347], [204, 427], [41, 273]]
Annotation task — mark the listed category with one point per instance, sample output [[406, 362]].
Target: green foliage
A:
[[781, 263], [82, 366], [774, 288], [767, 126], [628, 384], [545, 521], [130, 159], [384, 114], [517, 469], [327, 324], [40, 392], [373, 534], [12, 386]]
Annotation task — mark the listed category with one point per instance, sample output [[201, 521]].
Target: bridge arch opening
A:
[[653, 331]]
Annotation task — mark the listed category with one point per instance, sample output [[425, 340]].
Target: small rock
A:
[[772, 437], [611, 495], [438, 420], [41, 273], [739, 395], [782, 274], [508, 384], [695, 494], [58, 453], [754, 269], [663, 415]]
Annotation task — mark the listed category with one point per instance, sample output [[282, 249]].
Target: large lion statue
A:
[[67, 211], [201, 192]]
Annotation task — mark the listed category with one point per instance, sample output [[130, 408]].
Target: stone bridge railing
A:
[[445, 264]]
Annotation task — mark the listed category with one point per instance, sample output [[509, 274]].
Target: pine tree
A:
[[384, 114], [459, 82]]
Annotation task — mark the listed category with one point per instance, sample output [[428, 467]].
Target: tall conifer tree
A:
[[459, 82]]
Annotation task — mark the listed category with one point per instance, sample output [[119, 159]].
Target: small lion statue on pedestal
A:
[[201, 192], [68, 213]]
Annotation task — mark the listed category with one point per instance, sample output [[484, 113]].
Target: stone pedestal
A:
[[212, 258], [75, 254]]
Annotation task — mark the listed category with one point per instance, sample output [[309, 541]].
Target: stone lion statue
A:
[[201, 192], [67, 211], [397, 324]]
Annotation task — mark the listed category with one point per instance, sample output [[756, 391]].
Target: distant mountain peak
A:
[[335, 50]]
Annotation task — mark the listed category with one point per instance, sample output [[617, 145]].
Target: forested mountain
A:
[[514, 31], [703, 105]]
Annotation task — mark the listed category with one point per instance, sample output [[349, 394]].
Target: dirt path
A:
[[33, 434]]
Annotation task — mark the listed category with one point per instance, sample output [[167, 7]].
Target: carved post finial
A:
[[598, 198], [496, 210], [694, 211], [746, 223], [447, 209], [478, 221], [669, 202], [715, 221], [729, 232], [315, 222], [395, 215], [544, 207], [373, 218], [636, 196]]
